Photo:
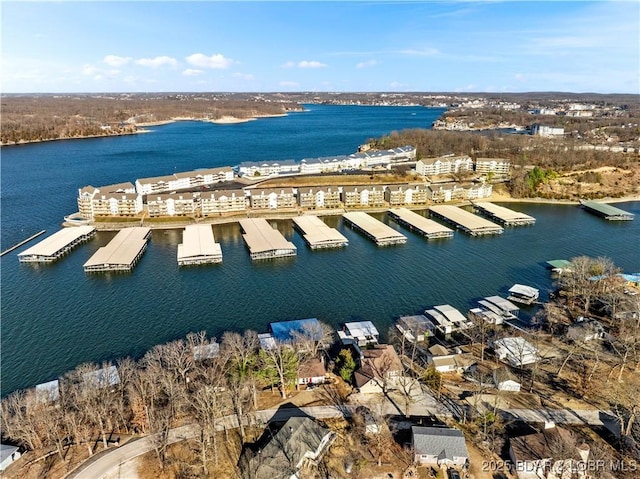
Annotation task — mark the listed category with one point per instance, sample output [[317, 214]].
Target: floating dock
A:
[[382, 234], [418, 223], [57, 245], [503, 215], [317, 234], [465, 221], [265, 242], [25, 241], [606, 211], [198, 246], [122, 253]]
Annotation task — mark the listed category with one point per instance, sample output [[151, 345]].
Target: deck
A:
[[317, 234], [465, 221], [382, 234], [418, 223], [505, 216]]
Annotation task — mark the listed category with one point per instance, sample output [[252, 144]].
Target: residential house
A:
[[222, 201], [515, 351], [380, 367], [202, 352], [319, 197], [505, 380], [300, 443], [586, 330], [365, 195], [101, 378], [417, 194], [328, 164], [312, 371], [438, 446], [272, 198], [8, 454]]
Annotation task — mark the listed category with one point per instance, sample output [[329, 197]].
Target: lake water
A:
[[55, 317]]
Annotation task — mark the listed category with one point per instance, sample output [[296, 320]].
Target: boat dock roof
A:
[[374, 229], [607, 211], [198, 246], [467, 222], [504, 215], [419, 223], [264, 241], [122, 252], [317, 234], [559, 264], [504, 305], [54, 246]]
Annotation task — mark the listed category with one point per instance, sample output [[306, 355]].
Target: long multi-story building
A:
[[268, 168], [444, 165], [498, 166], [175, 204], [548, 131], [329, 164], [364, 195], [222, 201], [103, 199], [417, 194], [319, 197], [184, 180], [272, 198]]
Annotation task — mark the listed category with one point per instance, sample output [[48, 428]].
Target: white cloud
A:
[[89, 70], [217, 61], [310, 64], [116, 61], [191, 72], [367, 64], [288, 65], [244, 76], [289, 84], [157, 62]]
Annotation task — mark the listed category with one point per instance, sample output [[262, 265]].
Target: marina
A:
[[265, 242], [122, 253], [505, 216], [317, 234], [374, 229], [465, 221], [57, 245], [606, 211], [418, 223], [198, 246]]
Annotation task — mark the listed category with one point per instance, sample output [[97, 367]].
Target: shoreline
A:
[[84, 137]]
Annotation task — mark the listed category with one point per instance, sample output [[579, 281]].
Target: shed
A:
[[505, 380]]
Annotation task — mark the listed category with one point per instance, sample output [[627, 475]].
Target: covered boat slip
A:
[[500, 305], [198, 246], [58, 244], [607, 211], [503, 215], [521, 293], [122, 253], [467, 222], [382, 234], [265, 242], [415, 222], [317, 234]]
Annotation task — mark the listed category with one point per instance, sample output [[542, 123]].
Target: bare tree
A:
[[312, 338], [280, 361]]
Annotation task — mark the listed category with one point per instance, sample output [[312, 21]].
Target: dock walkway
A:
[[122, 253], [506, 216], [265, 242], [606, 211], [198, 246], [382, 234], [465, 221], [317, 234], [418, 223], [57, 245]]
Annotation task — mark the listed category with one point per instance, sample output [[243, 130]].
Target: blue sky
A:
[[447, 46]]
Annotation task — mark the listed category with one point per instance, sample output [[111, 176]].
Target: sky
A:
[[266, 46]]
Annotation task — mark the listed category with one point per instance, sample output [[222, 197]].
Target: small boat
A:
[[523, 294]]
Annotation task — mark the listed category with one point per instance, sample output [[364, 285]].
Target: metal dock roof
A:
[[424, 226], [317, 234], [451, 313], [468, 222], [374, 229], [55, 244], [503, 304], [122, 251], [607, 211], [265, 241], [504, 215], [198, 246]]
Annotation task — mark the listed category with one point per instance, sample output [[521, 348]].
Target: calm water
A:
[[55, 317]]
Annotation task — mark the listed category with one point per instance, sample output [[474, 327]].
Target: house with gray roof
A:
[[300, 443], [439, 445], [8, 454]]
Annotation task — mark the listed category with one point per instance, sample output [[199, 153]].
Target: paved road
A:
[[108, 462]]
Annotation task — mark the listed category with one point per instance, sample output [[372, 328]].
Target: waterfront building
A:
[[87, 195], [606, 211], [506, 216], [443, 193], [268, 168], [415, 328], [547, 131], [521, 293], [319, 197], [222, 201], [380, 368], [359, 333], [203, 352], [183, 180], [415, 194], [374, 229], [57, 245], [444, 165], [263, 241], [328, 164], [474, 192], [173, 204], [121, 253], [515, 351], [273, 198], [198, 246], [465, 221], [500, 167], [448, 319], [363, 195], [317, 234], [116, 204], [418, 223], [48, 392], [101, 378]]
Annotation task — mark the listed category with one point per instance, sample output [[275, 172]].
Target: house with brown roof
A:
[[312, 371], [380, 367]]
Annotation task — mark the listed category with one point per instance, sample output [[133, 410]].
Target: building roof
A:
[[361, 329], [259, 164], [57, 241], [198, 242], [312, 368], [373, 227], [606, 209], [524, 290], [122, 249], [6, 450], [503, 374], [286, 331], [426, 225], [464, 218], [48, 392], [438, 350], [283, 455], [375, 363], [317, 232], [445, 443], [101, 378], [206, 351], [261, 237]]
